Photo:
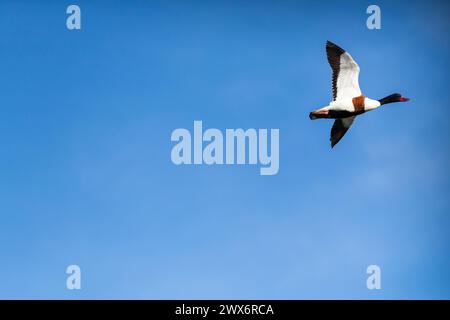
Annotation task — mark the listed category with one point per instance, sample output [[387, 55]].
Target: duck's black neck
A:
[[390, 99]]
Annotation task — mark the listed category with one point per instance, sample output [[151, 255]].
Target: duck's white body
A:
[[346, 104]]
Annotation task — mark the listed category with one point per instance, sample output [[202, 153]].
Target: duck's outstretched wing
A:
[[345, 72], [340, 127]]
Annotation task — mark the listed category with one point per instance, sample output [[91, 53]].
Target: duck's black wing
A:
[[340, 127]]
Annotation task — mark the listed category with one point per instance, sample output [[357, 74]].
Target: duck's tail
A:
[[319, 113]]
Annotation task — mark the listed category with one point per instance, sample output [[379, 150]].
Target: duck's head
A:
[[395, 97]]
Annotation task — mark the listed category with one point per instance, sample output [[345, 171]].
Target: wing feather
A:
[[345, 76], [340, 127]]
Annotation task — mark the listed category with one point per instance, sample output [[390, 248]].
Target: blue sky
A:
[[86, 176]]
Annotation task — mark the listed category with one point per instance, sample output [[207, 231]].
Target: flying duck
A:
[[348, 101]]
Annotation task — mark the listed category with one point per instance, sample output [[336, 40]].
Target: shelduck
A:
[[348, 101]]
